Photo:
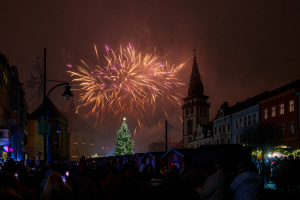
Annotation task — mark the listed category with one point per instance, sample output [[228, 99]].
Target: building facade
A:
[[13, 113], [222, 125], [4, 107], [243, 119], [281, 111], [57, 137]]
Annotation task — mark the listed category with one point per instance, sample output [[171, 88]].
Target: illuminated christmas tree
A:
[[124, 144]]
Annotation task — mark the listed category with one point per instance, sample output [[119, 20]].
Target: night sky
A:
[[243, 47]]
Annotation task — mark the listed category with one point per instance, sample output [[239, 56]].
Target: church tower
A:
[[195, 107]]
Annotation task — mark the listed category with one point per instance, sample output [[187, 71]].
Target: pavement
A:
[[271, 193]]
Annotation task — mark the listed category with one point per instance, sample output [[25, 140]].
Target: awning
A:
[[4, 142]]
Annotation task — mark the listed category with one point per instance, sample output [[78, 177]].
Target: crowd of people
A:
[[283, 171], [97, 179]]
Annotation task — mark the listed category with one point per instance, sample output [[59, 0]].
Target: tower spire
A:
[[196, 85]]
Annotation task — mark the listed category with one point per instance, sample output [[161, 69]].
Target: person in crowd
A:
[[280, 176], [56, 189], [48, 172], [28, 183], [83, 186], [247, 185], [111, 182], [194, 176], [9, 187], [213, 186]]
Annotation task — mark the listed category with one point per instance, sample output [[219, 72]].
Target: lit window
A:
[[273, 111], [266, 113], [281, 109], [292, 106], [292, 127]]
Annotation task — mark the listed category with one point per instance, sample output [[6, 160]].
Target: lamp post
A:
[[67, 95]]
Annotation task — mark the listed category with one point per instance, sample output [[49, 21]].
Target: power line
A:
[[142, 144]]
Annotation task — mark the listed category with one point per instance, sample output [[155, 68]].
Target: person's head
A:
[[54, 183], [55, 187], [247, 165], [8, 184], [196, 164], [291, 157], [210, 168], [23, 171]]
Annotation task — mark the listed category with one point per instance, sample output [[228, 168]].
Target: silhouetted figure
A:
[[9, 187], [56, 189], [247, 184], [213, 186]]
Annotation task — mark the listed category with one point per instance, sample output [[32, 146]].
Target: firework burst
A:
[[126, 82]]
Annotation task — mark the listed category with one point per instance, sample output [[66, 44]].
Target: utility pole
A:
[[45, 77], [166, 135], [67, 94], [45, 109]]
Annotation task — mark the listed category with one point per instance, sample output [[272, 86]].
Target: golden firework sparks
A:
[[127, 82]]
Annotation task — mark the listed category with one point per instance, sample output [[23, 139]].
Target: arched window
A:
[[190, 127]]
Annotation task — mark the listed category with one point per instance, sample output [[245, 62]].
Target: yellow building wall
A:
[[35, 141]]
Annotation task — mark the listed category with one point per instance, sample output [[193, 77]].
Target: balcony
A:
[[4, 137]]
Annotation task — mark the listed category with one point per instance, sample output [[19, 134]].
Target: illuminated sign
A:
[[5, 148]]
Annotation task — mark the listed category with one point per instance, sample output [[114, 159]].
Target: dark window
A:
[[190, 127], [292, 127], [282, 129]]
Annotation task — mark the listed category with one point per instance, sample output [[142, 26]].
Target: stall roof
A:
[[154, 154]]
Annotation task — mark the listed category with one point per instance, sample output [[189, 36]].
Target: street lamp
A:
[[67, 95]]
